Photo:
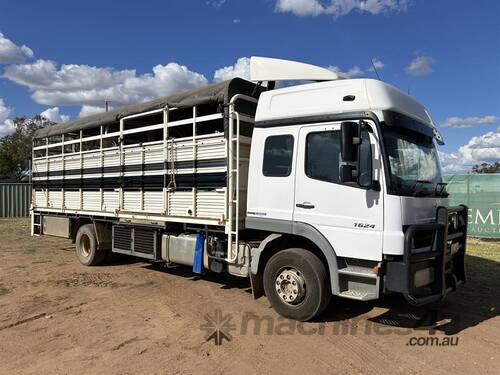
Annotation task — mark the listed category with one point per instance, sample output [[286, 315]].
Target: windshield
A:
[[413, 162]]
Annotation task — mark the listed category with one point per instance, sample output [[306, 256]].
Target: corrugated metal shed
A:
[[15, 199]]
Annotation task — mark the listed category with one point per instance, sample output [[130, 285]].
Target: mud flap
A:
[[257, 285]]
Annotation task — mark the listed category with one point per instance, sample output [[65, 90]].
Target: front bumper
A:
[[440, 262]]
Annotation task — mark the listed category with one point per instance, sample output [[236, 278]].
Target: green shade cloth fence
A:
[[481, 193]]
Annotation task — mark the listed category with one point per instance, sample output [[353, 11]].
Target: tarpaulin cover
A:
[[214, 94]]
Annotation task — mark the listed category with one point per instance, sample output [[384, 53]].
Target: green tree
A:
[[15, 149], [486, 168]]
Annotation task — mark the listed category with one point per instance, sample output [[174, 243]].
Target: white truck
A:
[[331, 187]]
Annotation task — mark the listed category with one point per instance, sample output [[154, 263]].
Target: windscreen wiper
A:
[[417, 183], [439, 191]]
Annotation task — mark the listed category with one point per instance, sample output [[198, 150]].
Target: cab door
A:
[[349, 217]]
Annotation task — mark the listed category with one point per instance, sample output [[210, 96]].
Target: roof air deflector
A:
[[269, 69]]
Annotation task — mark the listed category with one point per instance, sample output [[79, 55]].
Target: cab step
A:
[[358, 295], [358, 281], [358, 271]]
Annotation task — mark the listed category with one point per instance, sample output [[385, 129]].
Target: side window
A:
[[278, 151], [323, 156]]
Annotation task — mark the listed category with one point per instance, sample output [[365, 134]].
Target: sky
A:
[[63, 59]]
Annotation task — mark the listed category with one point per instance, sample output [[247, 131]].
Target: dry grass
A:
[[17, 224], [484, 249]]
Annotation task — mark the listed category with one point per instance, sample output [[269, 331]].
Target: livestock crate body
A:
[[181, 164]]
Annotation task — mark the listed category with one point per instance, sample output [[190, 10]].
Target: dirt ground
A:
[[58, 317]]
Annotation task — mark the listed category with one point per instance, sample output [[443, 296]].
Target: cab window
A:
[[278, 151], [323, 159]]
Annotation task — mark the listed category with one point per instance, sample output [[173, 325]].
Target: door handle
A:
[[305, 205]]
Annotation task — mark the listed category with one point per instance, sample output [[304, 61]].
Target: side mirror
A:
[[348, 173], [350, 139], [350, 135]]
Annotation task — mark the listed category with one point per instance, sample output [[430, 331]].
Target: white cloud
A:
[[88, 110], [53, 115], [300, 7], [44, 75], [480, 149], [6, 124], [236, 20], [353, 72], [10, 53], [468, 122], [90, 86], [378, 65], [357, 71], [216, 3], [420, 66], [240, 69], [339, 8], [74, 84]]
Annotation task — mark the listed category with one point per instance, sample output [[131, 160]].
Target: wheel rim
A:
[[85, 245], [290, 286]]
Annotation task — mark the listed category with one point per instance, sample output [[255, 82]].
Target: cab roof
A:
[[338, 96]]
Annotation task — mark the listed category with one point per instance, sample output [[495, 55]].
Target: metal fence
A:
[[15, 199], [481, 193]]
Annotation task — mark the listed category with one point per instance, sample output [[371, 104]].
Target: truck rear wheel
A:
[[296, 284], [87, 249]]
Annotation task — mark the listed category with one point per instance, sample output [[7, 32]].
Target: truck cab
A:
[[350, 166]]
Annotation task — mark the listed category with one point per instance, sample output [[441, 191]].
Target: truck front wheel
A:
[[296, 284], [87, 249]]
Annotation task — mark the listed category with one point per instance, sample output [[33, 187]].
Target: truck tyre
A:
[[296, 284], [87, 249]]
